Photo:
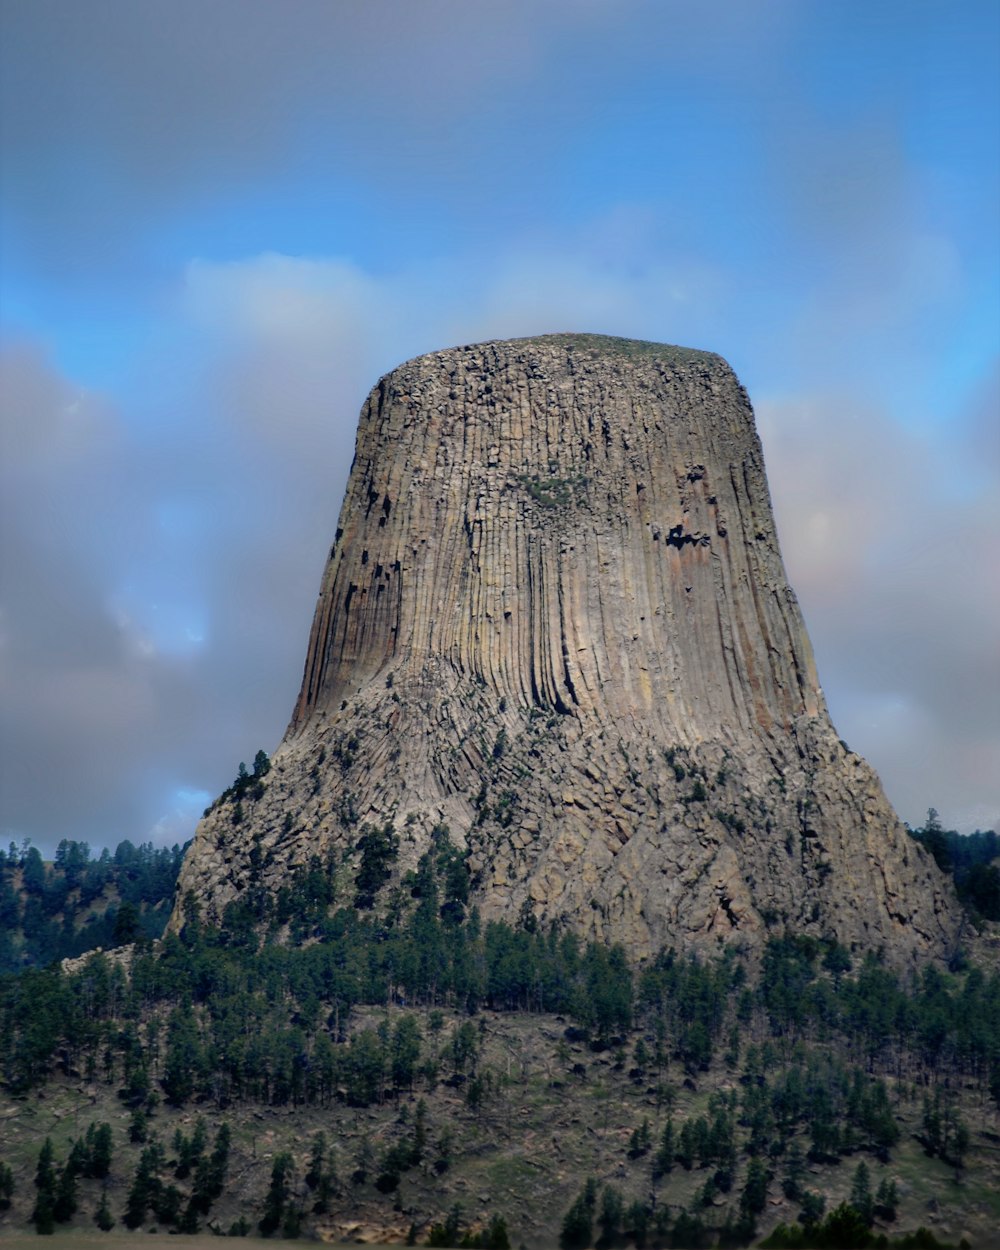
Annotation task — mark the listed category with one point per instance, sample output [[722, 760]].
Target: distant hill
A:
[[50, 911]]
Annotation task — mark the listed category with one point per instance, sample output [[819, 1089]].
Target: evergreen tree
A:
[[43, 1215], [813, 1206], [128, 926], [753, 1199], [861, 1194], [577, 1226], [686, 1146], [419, 1132], [795, 1170], [663, 1161], [6, 1187], [405, 1051], [103, 1218], [317, 1158], [100, 1152], [64, 1206], [145, 1188], [886, 1199], [277, 1195], [611, 1214]]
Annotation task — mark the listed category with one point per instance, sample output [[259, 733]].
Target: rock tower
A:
[[555, 619]]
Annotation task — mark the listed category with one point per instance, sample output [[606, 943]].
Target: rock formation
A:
[[555, 618]]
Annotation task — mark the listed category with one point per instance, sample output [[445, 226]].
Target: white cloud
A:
[[161, 597], [893, 565]]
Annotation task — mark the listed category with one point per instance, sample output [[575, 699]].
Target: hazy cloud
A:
[[783, 184], [159, 578], [890, 539]]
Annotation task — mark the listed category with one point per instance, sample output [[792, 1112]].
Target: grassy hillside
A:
[[461, 1075], [548, 1114]]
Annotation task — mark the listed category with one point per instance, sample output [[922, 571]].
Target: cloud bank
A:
[[222, 223]]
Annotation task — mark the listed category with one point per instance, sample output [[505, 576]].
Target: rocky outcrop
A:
[[555, 618]]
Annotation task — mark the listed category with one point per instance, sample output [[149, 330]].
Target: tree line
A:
[[58, 910]]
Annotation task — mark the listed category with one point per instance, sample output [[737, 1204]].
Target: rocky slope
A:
[[555, 618]]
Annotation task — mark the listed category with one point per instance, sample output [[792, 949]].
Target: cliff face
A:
[[555, 618]]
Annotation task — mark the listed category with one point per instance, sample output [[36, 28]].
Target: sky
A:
[[222, 220]]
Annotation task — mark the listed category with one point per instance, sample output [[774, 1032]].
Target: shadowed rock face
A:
[[555, 617]]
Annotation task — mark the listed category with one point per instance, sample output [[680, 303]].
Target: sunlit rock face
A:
[[555, 618]]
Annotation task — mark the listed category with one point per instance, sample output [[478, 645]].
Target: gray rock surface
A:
[[555, 617]]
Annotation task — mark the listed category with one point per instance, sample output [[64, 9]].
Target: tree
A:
[[277, 1195], [103, 1218], [795, 1170], [813, 1206], [446, 1234], [379, 848], [317, 1158], [464, 1046], [494, 1236], [100, 1143], [663, 1160], [405, 1051], [861, 1193], [128, 927], [33, 872], [753, 1199], [886, 1199], [184, 1057], [145, 1188], [578, 1225], [43, 1215], [6, 1187], [419, 1132], [365, 1067], [845, 1226], [610, 1217], [640, 1141], [64, 1206]]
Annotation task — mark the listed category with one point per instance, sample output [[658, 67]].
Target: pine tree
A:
[[101, 1146], [103, 1218], [861, 1193], [886, 1199], [753, 1199], [145, 1188], [612, 1211], [317, 1158], [6, 1187], [795, 1170], [277, 1196], [419, 1133], [578, 1226], [663, 1161], [43, 1215], [64, 1206]]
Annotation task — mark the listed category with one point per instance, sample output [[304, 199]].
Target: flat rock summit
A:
[[556, 620]]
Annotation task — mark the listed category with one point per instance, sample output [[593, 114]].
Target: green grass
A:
[[513, 1172], [552, 492]]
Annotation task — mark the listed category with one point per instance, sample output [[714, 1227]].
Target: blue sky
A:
[[222, 221]]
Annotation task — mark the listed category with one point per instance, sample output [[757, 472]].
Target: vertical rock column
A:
[[555, 616]]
